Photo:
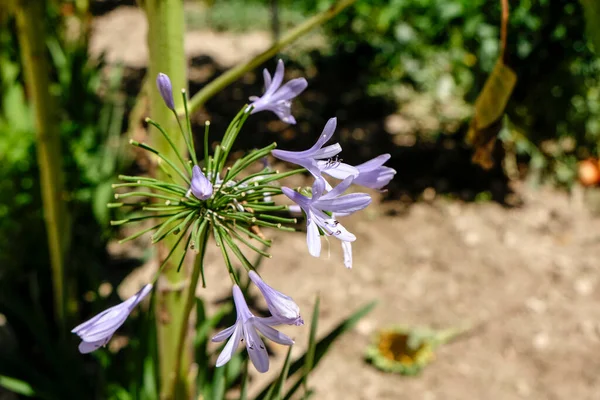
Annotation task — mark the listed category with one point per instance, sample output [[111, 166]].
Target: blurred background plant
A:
[[432, 58], [428, 59]]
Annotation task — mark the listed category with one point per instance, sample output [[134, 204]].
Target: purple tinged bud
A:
[[97, 331], [166, 90], [201, 186], [282, 307]]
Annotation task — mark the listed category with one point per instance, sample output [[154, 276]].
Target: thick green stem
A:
[[236, 72], [30, 16], [166, 55]]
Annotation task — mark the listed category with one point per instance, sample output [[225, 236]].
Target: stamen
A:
[[333, 162]]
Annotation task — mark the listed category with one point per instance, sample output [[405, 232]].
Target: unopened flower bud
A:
[[166, 90]]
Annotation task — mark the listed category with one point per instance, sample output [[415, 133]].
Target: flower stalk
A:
[[185, 327], [166, 55]]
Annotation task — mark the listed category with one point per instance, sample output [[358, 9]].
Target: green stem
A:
[[236, 72], [190, 301], [30, 16], [166, 55]]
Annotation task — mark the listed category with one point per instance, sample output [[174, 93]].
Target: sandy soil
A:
[[526, 278]]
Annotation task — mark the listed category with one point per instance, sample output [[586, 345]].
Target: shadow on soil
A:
[[443, 164]]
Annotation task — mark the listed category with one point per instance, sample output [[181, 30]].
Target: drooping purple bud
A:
[[281, 306], [166, 90], [201, 186], [97, 331]]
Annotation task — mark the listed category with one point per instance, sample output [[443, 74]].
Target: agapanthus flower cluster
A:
[[200, 198]]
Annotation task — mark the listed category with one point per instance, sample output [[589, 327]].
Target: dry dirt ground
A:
[[527, 277]]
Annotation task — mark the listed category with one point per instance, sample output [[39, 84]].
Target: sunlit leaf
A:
[[489, 109], [16, 386]]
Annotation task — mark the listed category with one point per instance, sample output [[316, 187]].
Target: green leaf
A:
[[16, 386], [312, 344], [283, 375], [592, 18], [321, 349], [489, 109], [244, 386], [219, 383]]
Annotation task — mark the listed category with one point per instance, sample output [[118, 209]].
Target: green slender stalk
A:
[[236, 72], [166, 55], [190, 301], [30, 16]]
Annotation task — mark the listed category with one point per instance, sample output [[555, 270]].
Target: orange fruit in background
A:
[[588, 172]]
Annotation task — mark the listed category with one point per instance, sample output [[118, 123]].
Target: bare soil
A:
[[525, 278]]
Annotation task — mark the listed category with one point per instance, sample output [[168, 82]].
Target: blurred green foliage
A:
[[32, 350], [239, 16], [437, 45], [438, 54]]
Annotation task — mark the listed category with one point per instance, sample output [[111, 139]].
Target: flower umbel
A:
[[278, 98], [200, 185], [318, 220], [166, 90], [245, 328], [198, 201], [97, 331], [282, 307]]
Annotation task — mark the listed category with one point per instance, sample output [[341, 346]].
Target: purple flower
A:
[[278, 98], [97, 331], [246, 327], [318, 220], [317, 157], [166, 90], [282, 307], [371, 174], [200, 185]]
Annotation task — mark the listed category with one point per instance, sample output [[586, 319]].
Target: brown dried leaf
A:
[[489, 109]]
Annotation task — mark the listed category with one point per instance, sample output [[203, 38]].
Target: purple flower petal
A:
[[100, 328], [347, 248], [245, 326], [200, 185], [349, 203], [313, 239], [256, 348], [309, 158], [166, 90], [231, 346], [277, 98], [371, 174], [272, 334], [280, 305], [317, 208], [88, 347], [224, 334], [374, 163]]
